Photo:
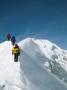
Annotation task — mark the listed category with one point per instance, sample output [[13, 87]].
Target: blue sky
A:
[[45, 19]]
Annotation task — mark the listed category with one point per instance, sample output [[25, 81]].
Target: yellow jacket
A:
[[15, 51]]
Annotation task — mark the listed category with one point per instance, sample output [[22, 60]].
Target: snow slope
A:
[[36, 67], [48, 55]]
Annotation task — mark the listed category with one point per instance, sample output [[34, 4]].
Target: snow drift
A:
[[42, 66]]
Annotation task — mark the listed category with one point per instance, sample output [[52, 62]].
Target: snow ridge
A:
[[42, 66]]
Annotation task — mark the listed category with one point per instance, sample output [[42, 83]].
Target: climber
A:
[[8, 36], [13, 40], [16, 52]]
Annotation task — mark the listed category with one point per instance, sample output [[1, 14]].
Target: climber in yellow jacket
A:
[[16, 52]]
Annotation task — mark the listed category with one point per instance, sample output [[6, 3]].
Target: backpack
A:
[[13, 39]]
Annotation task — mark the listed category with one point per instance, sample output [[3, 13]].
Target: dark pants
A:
[[16, 57], [13, 43], [8, 38]]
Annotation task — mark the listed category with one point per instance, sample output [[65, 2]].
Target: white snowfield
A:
[[42, 65]]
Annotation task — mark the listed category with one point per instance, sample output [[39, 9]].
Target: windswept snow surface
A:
[[42, 66]]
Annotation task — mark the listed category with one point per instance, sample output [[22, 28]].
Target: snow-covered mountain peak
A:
[[42, 43], [45, 46], [30, 72], [46, 51]]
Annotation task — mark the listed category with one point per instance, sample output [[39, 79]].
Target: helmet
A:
[[16, 46], [8, 35]]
